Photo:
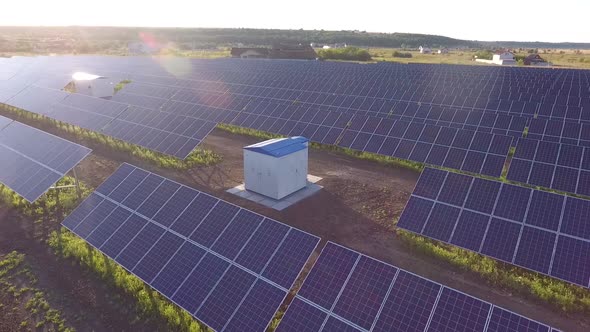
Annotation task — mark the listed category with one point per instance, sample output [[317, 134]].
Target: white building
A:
[[425, 50], [276, 168], [93, 85], [501, 59]]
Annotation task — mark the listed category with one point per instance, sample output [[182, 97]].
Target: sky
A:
[[555, 21]]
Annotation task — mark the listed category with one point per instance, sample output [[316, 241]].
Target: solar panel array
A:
[[31, 160], [227, 266], [537, 230], [558, 166], [348, 291]]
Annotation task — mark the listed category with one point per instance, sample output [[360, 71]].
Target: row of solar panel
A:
[[552, 165], [31, 161], [537, 230], [348, 291], [164, 132], [460, 93], [559, 131], [227, 266], [365, 103]]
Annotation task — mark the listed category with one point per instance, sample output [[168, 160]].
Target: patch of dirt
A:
[[356, 208]]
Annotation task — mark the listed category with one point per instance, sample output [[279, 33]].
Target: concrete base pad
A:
[[283, 203]]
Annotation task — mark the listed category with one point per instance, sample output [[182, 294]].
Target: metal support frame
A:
[[75, 185]]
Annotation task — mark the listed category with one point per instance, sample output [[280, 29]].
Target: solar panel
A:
[[374, 296], [537, 230], [31, 160], [235, 273], [551, 165]]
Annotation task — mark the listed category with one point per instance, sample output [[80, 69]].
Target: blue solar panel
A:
[[455, 188], [506, 321], [208, 283], [575, 218], [504, 234], [258, 307], [375, 296], [541, 175], [31, 160], [302, 317], [572, 261], [226, 297], [501, 238], [441, 222], [512, 202], [482, 195], [367, 286], [535, 249], [409, 304], [519, 170], [545, 210], [430, 183], [459, 312], [470, 230], [415, 214], [330, 272]]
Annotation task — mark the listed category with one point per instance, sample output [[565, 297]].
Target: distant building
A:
[[249, 53], [535, 60], [425, 50], [278, 51], [500, 58], [443, 51]]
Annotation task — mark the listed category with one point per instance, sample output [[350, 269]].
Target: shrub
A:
[[397, 54], [347, 53]]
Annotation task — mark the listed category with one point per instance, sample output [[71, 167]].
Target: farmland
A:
[[453, 177]]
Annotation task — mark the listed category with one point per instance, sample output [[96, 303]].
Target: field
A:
[[362, 199], [51, 279]]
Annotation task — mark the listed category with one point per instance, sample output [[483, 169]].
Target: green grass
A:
[[16, 279], [121, 85], [385, 160], [198, 157]]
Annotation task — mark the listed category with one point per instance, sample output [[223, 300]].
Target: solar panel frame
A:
[[528, 239], [388, 316], [46, 157], [127, 170]]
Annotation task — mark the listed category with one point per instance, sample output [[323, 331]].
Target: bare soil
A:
[[356, 208]]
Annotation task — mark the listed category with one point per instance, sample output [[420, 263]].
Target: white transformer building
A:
[[276, 168]]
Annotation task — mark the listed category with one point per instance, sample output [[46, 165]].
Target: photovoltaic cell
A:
[[376, 296], [31, 160], [239, 278], [530, 228]]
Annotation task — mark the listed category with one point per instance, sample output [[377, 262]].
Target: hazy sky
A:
[[555, 21]]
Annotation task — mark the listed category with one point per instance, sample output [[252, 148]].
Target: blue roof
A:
[[279, 147]]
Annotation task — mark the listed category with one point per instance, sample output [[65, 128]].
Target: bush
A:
[[484, 54], [347, 53], [397, 54]]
